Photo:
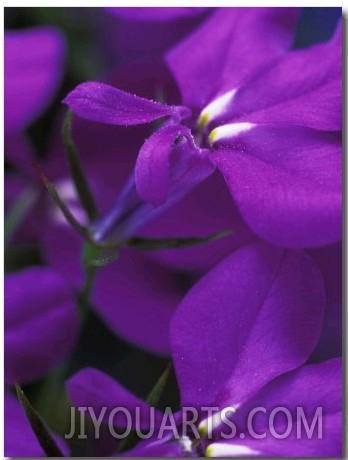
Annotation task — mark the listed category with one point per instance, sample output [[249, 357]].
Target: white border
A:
[[132, 3], [176, 3]]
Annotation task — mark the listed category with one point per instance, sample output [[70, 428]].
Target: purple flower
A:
[[41, 323], [268, 119], [241, 338], [135, 296]]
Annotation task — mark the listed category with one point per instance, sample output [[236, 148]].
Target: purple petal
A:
[[257, 306], [286, 181], [132, 33], [319, 108], [136, 297], [92, 388], [213, 210], [40, 323], [33, 69], [106, 104], [304, 87], [310, 386], [292, 446], [20, 441], [188, 167], [330, 446], [227, 48], [330, 261], [155, 14], [152, 167], [20, 153]]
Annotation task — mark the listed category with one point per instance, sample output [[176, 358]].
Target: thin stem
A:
[[153, 244], [80, 180], [84, 297], [62, 206]]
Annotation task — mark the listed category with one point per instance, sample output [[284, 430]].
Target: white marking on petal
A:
[[68, 194], [66, 189], [213, 421], [228, 131], [215, 108], [57, 216], [228, 450]]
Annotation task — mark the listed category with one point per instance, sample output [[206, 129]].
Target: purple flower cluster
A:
[[222, 125]]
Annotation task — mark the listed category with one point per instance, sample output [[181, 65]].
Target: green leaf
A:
[[44, 437], [18, 212], [80, 180], [157, 391], [155, 244]]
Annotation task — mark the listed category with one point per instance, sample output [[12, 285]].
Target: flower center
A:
[[214, 110]]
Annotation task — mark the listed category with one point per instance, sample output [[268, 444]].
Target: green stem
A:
[[80, 180], [62, 206], [84, 297], [153, 244]]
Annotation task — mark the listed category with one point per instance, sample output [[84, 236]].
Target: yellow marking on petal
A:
[[203, 120], [213, 135], [215, 108], [214, 421], [202, 429]]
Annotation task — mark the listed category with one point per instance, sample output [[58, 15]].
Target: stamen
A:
[[215, 108], [186, 444], [228, 450], [228, 131]]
